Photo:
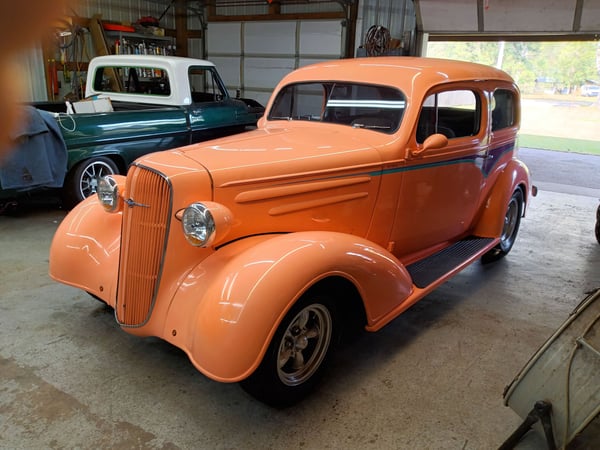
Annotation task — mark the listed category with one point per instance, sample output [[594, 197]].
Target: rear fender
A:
[[85, 250], [230, 305], [514, 176]]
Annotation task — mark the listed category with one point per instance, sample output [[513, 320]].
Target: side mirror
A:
[[433, 142]]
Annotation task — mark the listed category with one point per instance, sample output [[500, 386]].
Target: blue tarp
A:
[[39, 157]]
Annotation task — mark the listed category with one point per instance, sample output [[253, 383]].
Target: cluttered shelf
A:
[[142, 38], [67, 63]]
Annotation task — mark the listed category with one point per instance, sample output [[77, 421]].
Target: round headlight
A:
[[198, 225], [108, 193]]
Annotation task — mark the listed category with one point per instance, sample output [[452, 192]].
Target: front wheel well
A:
[[119, 161], [348, 302], [114, 157]]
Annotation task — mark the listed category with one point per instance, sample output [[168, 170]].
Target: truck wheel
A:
[[512, 220], [298, 353], [82, 180]]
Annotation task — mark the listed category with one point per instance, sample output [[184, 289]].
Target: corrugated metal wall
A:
[[398, 16], [256, 7], [126, 10], [253, 56]]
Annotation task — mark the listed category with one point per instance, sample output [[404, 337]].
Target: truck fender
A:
[[229, 306], [491, 221], [85, 250]]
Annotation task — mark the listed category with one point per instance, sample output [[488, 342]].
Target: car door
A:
[[441, 187], [212, 110]]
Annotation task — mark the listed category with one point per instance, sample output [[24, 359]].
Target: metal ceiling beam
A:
[[577, 15], [480, 16]]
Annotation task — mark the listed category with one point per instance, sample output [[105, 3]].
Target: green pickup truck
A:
[[134, 104]]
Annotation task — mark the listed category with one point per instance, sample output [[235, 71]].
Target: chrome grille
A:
[[146, 218]]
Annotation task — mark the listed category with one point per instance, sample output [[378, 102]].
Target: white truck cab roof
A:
[[107, 77]]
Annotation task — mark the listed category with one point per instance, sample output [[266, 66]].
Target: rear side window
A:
[[453, 113], [134, 80], [503, 109]]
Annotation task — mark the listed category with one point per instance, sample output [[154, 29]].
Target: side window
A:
[[204, 85], [503, 109], [455, 113]]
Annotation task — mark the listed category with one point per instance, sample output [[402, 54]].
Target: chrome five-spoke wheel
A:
[[298, 352], [304, 345]]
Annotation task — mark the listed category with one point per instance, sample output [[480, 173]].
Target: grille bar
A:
[[146, 221]]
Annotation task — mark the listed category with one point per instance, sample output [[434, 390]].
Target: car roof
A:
[[157, 60], [405, 72]]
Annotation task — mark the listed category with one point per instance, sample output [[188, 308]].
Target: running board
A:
[[432, 268]]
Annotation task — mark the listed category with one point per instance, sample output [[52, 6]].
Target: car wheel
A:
[[82, 180], [298, 353], [512, 221], [598, 224]]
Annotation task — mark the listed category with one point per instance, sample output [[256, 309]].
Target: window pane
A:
[[134, 80], [204, 86], [453, 113], [503, 109], [372, 107]]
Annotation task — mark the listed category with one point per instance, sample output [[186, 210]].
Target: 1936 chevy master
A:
[[367, 184]]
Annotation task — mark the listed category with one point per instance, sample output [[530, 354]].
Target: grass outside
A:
[[560, 122], [560, 144]]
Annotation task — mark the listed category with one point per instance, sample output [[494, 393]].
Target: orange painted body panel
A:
[[308, 200], [85, 250], [229, 289]]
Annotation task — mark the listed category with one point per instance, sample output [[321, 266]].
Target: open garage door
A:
[[254, 56], [445, 18]]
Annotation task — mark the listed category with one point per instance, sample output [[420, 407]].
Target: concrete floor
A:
[[432, 379]]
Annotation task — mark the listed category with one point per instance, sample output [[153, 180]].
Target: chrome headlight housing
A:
[[108, 193], [205, 224]]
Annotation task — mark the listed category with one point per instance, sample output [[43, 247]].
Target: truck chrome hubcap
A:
[[90, 176]]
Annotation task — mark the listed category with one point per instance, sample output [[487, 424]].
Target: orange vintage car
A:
[[367, 184]]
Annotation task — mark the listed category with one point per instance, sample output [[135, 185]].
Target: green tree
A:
[[571, 64], [568, 64]]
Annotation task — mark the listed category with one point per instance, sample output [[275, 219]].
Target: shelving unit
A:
[[131, 43], [103, 43]]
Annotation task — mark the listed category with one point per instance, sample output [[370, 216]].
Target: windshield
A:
[[374, 107]]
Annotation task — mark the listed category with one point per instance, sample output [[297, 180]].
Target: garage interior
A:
[[432, 379]]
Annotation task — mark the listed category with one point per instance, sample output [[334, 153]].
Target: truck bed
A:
[[61, 107]]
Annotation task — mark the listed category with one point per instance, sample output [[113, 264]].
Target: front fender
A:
[[229, 306], [491, 221], [85, 250]]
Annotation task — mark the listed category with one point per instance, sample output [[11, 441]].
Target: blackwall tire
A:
[[512, 221], [298, 353]]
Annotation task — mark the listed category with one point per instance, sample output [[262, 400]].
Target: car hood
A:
[[277, 152]]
